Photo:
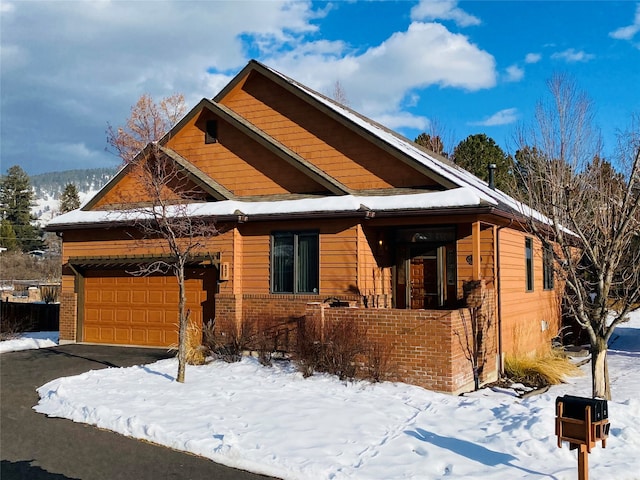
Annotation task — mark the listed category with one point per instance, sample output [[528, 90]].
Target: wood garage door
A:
[[126, 310]]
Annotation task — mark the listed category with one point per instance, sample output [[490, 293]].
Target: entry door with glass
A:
[[425, 286]]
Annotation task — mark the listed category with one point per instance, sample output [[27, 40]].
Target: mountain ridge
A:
[[47, 188]]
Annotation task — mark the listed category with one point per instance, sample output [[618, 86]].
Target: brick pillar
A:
[[34, 294], [68, 317]]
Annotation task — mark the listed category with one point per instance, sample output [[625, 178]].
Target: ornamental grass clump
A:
[[540, 370]]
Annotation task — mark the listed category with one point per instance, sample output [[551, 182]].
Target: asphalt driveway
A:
[[35, 447]]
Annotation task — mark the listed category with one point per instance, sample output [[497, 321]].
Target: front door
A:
[[425, 287]]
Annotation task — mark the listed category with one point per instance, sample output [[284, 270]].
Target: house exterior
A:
[[315, 203]]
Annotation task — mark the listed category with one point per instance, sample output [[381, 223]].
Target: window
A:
[[528, 253], [211, 133], [547, 267], [295, 262]]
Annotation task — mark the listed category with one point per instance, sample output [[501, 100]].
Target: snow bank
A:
[[275, 422], [28, 341]]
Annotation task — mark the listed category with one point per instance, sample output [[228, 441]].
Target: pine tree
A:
[[432, 142], [8, 236], [16, 197], [69, 200], [476, 152]]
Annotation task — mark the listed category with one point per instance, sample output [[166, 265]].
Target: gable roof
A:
[[431, 164], [193, 173], [422, 160]]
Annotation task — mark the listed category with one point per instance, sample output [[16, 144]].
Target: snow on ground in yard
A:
[[274, 421], [28, 341]]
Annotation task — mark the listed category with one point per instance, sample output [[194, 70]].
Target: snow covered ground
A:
[[28, 341], [274, 421]]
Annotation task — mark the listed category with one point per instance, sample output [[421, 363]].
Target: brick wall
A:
[[68, 317], [422, 345], [425, 347]]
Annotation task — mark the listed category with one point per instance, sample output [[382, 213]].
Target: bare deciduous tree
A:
[[477, 323], [437, 138], [148, 122], [593, 212], [339, 94], [164, 212]]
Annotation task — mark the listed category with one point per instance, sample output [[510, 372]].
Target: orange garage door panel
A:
[[122, 309]]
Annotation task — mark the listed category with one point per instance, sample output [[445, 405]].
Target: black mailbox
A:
[[575, 407]]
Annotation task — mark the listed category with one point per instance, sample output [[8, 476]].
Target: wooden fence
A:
[[29, 317]]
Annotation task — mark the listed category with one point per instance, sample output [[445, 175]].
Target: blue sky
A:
[[456, 68]]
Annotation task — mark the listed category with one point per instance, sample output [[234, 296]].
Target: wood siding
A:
[[465, 249], [338, 255], [344, 155], [529, 319], [238, 163]]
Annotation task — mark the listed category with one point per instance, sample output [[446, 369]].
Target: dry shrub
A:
[[49, 293], [195, 350], [341, 350], [378, 362], [541, 370], [228, 348], [195, 354], [11, 328], [21, 266]]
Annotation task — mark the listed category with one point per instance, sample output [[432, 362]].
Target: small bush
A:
[[335, 351], [378, 365], [540, 371], [229, 349], [12, 328], [49, 293]]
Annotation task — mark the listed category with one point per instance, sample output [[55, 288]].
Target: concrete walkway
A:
[[35, 447]]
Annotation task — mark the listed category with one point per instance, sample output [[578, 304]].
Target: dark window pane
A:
[[211, 134], [282, 263], [548, 268], [308, 260], [528, 245]]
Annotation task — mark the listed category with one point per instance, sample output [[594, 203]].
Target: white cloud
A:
[[514, 74], [384, 78], [573, 56], [628, 32], [443, 10], [100, 58], [503, 117], [532, 58], [88, 65], [396, 120]]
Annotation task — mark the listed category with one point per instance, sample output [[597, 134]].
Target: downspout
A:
[[499, 288]]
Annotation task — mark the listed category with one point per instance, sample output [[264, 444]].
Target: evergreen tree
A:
[[16, 197], [8, 236], [70, 199], [476, 152], [432, 142]]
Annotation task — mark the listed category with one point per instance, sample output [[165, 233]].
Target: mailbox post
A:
[[582, 422]]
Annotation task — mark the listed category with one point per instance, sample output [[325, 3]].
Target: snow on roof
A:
[[454, 173], [458, 197], [471, 190]]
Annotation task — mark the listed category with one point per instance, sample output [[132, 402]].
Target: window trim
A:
[[296, 234], [528, 264]]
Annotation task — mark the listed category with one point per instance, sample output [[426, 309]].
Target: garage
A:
[[123, 309]]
